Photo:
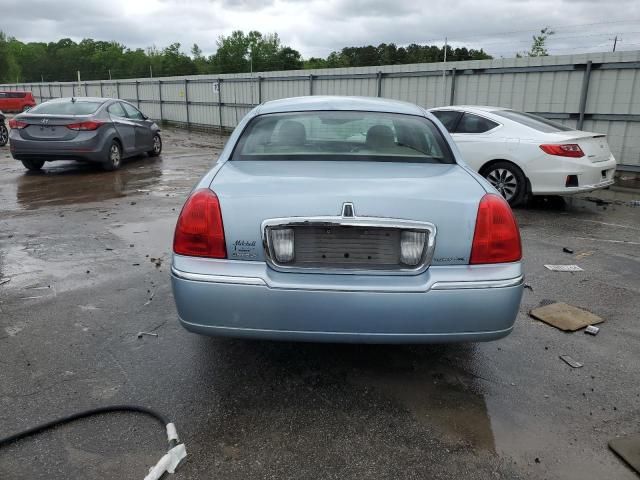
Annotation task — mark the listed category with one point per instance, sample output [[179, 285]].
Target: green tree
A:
[[538, 45]]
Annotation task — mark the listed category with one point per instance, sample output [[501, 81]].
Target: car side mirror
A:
[[145, 117], [26, 109]]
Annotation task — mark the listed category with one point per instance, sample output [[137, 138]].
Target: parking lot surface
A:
[[84, 260]]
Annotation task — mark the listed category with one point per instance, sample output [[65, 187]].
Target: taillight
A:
[[497, 238], [567, 150], [199, 231], [85, 126], [17, 124]]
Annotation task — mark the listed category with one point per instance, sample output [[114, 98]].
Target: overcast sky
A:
[[316, 27]]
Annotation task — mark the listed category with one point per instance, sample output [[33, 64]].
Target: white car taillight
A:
[[412, 247], [282, 240]]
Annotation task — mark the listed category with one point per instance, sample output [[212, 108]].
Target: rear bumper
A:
[[434, 307], [590, 176], [93, 149]]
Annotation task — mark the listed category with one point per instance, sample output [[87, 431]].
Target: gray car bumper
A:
[[433, 307], [94, 149]]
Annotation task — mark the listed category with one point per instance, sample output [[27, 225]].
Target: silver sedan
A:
[[99, 130], [346, 219]]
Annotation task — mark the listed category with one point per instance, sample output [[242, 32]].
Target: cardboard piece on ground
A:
[[565, 317], [628, 448]]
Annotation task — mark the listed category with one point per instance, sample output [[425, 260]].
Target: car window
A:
[[533, 121], [117, 110], [66, 108], [470, 123], [342, 135], [132, 112], [449, 118]]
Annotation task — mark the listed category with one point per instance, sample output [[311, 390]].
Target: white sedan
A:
[[521, 153]]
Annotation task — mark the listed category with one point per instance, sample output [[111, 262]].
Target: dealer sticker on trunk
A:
[[244, 249]]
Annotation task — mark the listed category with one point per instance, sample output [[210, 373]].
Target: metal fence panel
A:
[[606, 100]]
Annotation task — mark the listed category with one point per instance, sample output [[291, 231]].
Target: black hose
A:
[[87, 413]]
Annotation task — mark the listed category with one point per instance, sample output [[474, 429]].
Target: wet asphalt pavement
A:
[[86, 254]]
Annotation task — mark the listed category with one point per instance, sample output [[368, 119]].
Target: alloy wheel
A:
[[504, 181], [157, 145], [114, 155], [4, 135]]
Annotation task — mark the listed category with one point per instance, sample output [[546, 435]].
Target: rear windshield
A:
[[66, 108], [342, 135], [533, 121]]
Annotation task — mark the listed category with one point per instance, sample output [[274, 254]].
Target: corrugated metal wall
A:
[[601, 91]]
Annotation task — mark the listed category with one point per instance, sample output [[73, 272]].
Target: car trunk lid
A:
[[251, 192], [594, 145], [50, 127]]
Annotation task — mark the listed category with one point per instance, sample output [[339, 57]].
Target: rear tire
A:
[[157, 146], [114, 157], [508, 179], [33, 165], [4, 135]]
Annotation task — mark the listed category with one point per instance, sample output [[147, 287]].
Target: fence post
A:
[[583, 94], [259, 89], [160, 97], [117, 89], [138, 94], [40, 89], [310, 84], [186, 100], [60, 85], [220, 102], [101, 92], [452, 94], [86, 92], [379, 83]]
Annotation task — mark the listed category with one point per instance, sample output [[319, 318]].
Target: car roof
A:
[[82, 99], [471, 108], [321, 102]]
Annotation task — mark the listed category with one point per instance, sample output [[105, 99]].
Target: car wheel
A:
[[157, 146], [4, 135], [508, 179], [33, 165], [114, 157]]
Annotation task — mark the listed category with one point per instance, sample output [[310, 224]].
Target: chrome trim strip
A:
[[256, 281], [372, 222], [199, 277], [512, 282]]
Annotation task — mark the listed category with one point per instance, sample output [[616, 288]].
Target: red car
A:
[[16, 101]]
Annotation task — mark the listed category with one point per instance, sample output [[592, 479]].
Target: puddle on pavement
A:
[[152, 238], [438, 393], [65, 183]]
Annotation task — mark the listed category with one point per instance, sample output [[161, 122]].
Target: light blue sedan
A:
[[345, 219]]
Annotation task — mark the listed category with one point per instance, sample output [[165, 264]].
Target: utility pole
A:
[[444, 74], [79, 84], [615, 42]]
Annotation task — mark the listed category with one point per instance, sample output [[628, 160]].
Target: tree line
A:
[[238, 52]]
